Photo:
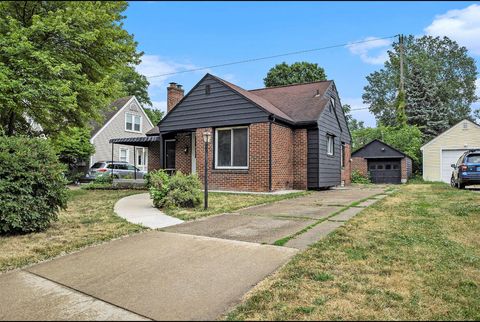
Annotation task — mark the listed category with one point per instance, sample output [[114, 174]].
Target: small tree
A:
[[73, 146], [296, 73], [32, 185]]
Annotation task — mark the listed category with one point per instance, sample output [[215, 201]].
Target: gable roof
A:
[[113, 109], [382, 143], [109, 113], [447, 131], [301, 102], [296, 104]]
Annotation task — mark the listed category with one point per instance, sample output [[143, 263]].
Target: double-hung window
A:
[[123, 155], [133, 122], [342, 156], [330, 144], [231, 148]]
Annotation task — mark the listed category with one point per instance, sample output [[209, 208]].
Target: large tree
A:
[[62, 62], [353, 124], [425, 108], [299, 72], [444, 65]]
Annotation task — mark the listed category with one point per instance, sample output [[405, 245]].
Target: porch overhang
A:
[[137, 141]]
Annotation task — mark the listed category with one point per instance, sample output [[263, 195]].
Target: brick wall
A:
[[300, 159], [347, 170], [282, 157], [154, 156], [183, 161], [404, 170], [360, 164], [253, 179]]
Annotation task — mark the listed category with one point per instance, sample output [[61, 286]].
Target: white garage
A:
[[445, 149], [449, 157]]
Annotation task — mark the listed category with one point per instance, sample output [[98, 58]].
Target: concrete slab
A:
[[24, 296], [313, 235], [291, 208], [379, 197], [166, 276], [138, 209], [257, 229], [367, 203], [346, 214], [276, 192]]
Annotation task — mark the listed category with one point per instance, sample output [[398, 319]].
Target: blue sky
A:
[[176, 36]]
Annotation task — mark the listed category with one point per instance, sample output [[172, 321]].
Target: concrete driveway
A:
[[196, 270], [266, 224]]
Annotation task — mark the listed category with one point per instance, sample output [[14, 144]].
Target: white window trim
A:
[[231, 150], [332, 152], [120, 154], [133, 123]]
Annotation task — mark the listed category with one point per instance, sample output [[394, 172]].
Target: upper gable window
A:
[[133, 122], [207, 89], [332, 104]]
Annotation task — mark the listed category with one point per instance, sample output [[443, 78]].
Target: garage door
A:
[[448, 158], [385, 171]]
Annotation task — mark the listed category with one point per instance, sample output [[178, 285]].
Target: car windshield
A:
[[97, 165], [473, 158]]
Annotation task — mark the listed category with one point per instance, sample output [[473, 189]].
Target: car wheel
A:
[[452, 182]]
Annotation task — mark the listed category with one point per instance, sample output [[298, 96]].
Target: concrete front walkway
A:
[[138, 209]]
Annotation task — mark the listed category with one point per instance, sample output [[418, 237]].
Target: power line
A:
[[359, 109], [270, 57]]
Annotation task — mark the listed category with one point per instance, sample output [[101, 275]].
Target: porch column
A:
[[135, 161], [113, 168]]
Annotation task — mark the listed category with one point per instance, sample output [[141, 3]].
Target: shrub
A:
[[103, 179], [179, 190], [157, 182], [184, 191], [32, 185], [358, 177]]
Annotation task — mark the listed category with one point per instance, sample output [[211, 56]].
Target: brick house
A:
[[382, 163], [286, 137]]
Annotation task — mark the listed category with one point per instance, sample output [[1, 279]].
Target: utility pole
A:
[[402, 81]]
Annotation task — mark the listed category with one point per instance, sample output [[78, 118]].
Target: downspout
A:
[[272, 119]]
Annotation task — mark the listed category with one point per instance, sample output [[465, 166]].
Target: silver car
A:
[[117, 169]]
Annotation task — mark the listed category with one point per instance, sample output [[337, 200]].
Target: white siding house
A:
[[445, 149], [125, 119]]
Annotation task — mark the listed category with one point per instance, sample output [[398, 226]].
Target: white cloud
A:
[[477, 86], [153, 65], [461, 25], [373, 52]]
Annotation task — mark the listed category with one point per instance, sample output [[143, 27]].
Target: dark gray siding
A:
[[331, 122], [332, 92], [312, 158], [222, 107], [377, 149]]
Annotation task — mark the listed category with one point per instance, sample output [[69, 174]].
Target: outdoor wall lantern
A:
[[207, 137]]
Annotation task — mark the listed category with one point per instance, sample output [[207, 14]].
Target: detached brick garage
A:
[[382, 163], [285, 137]]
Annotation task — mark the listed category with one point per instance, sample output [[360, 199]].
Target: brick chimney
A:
[[174, 95]]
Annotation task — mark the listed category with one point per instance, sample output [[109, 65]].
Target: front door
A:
[[141, 155], [169, 155]]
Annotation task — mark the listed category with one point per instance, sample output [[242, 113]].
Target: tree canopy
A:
[[63, 62], [442, 66], [155, 115], [299, 72]]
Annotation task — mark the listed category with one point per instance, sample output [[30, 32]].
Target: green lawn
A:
[[413, 255], [227, 202], [89, 219]]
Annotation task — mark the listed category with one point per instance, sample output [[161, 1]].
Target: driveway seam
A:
[[86, 294]]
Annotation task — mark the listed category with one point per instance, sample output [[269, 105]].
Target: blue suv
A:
[[466, 171]]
